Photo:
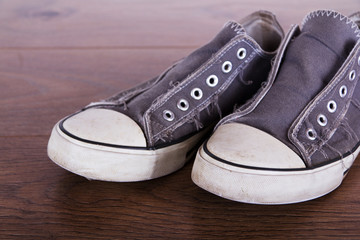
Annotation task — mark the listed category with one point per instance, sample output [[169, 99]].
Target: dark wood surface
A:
[[57, 56]]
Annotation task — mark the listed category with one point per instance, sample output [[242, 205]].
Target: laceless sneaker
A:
[[297, 139], [152, 129]]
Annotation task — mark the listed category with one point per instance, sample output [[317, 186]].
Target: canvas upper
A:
[[311, 104]]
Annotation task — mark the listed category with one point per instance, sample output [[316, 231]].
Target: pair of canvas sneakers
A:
[[282, 112]]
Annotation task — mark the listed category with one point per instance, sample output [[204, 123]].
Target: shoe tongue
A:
[[334, 30], [198, 57], [232, 29], [311, 60], [189, 64]]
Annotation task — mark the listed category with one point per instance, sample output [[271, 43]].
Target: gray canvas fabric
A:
[[259, 36], [314, 68]]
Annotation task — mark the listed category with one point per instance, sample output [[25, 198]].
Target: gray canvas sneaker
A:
[[298, 137], [152, 129]]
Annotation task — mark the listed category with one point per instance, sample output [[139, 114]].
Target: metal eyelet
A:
[[352, 75], [343, 91], [331, 106], [241, 53], [196, 93], [322, 120], [168, 115], [311, 134], [226, 67], [212, 81], [183, 105]]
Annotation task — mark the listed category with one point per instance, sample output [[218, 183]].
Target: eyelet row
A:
[[197, 93], [331, 107]]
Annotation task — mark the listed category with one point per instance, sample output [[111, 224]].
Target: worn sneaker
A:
[[151, 130], [298, 137]]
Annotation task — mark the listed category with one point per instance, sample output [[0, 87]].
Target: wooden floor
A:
[[57, 56]]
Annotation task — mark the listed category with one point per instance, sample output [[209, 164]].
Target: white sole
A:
[[259, 186], [115, 163]]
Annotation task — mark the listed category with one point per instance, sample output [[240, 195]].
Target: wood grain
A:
[[57, 56]]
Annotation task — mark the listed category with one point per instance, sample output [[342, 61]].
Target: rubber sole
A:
[[268, 186], [115, 163]]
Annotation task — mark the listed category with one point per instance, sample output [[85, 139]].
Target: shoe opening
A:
[[263, 27]]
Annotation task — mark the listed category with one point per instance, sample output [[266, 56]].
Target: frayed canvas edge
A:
[[235, 26], [334, 14]]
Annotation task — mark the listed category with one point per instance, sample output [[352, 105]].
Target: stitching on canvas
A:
[[206, 101], [335, 15], [235, 26]]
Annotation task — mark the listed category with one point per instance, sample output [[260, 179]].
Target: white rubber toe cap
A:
[[105, 126], [249, 146]]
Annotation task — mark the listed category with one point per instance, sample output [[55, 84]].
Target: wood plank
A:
[[41, 200], [45, 86], [68, 23]]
